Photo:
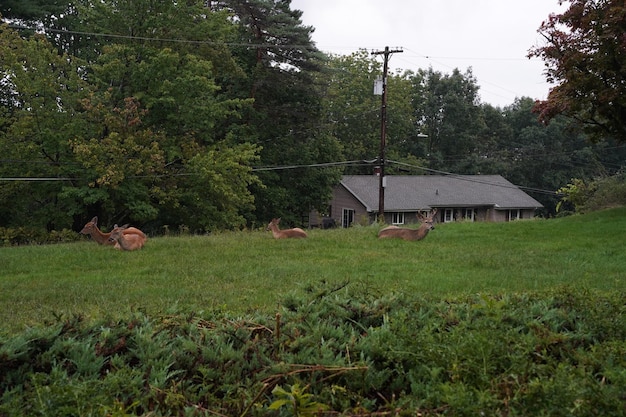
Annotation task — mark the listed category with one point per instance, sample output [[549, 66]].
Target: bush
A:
[[32, 236], [594, 195], [332, 351], [610, 192]]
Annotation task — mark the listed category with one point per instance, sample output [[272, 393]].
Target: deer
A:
[[91, 229], [296, 232], [126, 241], [410, 234]]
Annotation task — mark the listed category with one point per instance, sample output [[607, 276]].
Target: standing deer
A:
[[91, 228], [410, 234], [284, 234], [125, 241]]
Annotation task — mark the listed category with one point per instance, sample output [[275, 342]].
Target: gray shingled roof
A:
[[420, 192]]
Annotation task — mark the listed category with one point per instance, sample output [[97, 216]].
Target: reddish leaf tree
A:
[[585, 55]]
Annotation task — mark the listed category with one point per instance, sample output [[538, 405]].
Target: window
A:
[[514, 214], [397, 218], [347, 217], [448, 216], [469, 214]]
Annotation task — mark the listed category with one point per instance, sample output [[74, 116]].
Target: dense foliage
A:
[[153, 114], [587, 196], [585, 56], [224, 114], [333, 350]]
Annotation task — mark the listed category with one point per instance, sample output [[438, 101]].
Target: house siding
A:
[[343, 199]]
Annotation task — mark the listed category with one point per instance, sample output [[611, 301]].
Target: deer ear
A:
[[125, 226], [95, 220]]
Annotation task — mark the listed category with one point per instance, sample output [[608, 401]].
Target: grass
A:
[[245, 271]]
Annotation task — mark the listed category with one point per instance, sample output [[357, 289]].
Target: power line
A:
[[363, 162], [173, 40], [182, 174], [433, 60], [36, 179], [320, 165], [241, 44]]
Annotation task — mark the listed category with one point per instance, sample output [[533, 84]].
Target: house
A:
[[468, 197]]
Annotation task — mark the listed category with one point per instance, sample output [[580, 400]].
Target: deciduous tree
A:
[[351, 110], [40, 97], [585, 55], [448, 106]]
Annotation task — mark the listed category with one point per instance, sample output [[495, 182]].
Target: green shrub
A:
[[588, 196], [333, 351], [610, 192], [33, 236]]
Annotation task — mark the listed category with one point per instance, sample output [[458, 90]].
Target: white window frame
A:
[[347, 217], [514, 214], [448, 215], [469, 214], [397, 218]]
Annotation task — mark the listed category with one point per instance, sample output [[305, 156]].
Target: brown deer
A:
[[131, 241], [410, 234], [91, 229], [284, 234]]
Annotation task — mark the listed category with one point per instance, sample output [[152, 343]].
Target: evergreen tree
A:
[[280, 61]]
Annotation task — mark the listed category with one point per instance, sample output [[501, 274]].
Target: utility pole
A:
[[383, 132]]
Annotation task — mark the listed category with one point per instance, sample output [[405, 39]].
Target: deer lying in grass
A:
[[410, 234], [125, 241], [91, 229], [284, 234]]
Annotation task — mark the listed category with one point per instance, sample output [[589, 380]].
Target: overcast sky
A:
[[490, 36]]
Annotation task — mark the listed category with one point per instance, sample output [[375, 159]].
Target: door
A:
[[347, 217]]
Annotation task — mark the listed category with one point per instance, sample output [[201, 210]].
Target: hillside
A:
[[250, 271], [525, 318]]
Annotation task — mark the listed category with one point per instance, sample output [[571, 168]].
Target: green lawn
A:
[[245, 271]]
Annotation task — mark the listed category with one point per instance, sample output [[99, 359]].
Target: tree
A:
[[546, 156], [55, 17], [163, 144], [176, 101], [585, 55], [447, 105], [41, 111], [351, 110], [405, 127], [280, 61], [144, 133], [32, 10]]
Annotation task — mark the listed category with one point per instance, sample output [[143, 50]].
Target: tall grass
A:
[[248, 270]]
